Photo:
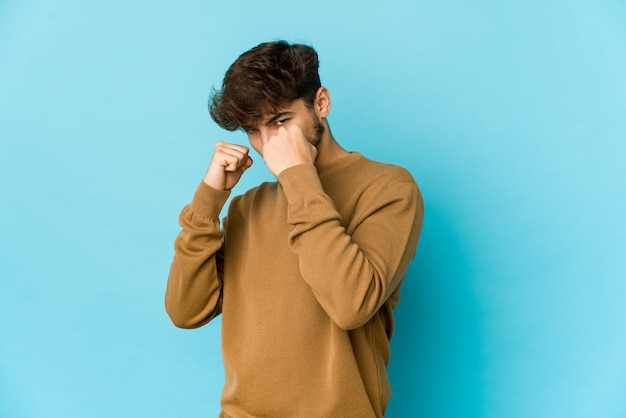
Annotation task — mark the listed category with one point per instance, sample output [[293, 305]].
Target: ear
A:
[[322, 102]]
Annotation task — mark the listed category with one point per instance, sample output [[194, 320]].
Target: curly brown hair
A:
[[263, 80]]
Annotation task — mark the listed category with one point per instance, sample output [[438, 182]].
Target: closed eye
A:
[[279, 119]]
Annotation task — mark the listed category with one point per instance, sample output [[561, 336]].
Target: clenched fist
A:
[[288, 148], [227, 165]]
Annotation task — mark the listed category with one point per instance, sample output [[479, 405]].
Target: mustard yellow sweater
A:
[[305, 273]]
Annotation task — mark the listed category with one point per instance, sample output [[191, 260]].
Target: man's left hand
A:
[[288, 148]]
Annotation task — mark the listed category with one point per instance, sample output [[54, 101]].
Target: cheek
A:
[[257, 144]]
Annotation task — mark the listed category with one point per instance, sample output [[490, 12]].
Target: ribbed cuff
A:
[[207, 201], [300, 182]]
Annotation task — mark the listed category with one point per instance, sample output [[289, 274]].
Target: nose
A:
[[266, 132]]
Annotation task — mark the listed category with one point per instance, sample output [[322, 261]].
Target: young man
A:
[[305, 271]]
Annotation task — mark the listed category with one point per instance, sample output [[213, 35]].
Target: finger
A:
[[232, 149], [232, 162], [231, 158], [228, 146], [246, 165], [295, 130]]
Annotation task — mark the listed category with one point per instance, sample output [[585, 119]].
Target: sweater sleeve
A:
[[352, 276], [194, 286]]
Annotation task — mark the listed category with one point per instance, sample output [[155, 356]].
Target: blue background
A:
[[511, 115]]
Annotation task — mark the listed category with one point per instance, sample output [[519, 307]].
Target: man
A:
[[305, 271]]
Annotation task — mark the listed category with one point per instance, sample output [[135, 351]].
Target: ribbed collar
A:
[[338, 165]]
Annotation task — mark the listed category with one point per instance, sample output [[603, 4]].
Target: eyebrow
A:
[[277, 117]]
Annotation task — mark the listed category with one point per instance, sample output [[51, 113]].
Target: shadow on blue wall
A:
[[436, 362]]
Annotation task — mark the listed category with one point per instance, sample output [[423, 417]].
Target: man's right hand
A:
[[227, 165]]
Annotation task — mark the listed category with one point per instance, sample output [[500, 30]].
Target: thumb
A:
[[246, 165]]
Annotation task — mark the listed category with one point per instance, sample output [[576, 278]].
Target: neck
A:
[[328, 149]]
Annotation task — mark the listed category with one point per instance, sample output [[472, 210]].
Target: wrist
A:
[[213, 183]]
